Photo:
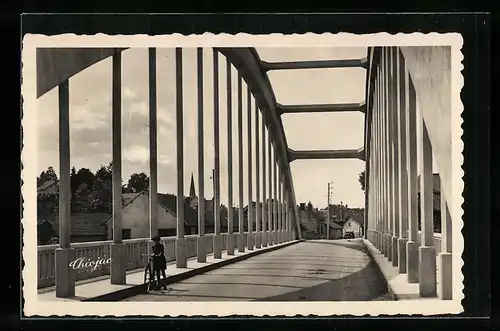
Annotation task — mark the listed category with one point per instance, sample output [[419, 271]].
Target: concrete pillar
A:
[[258, 203], [375, 154], [275, 189], [201, 249], [270, 204], [402, 111], [265, 206], [64, 255], [231, 243], [118, 258], [153, 147], [393, 104], [278, 206], [180, 242], [250, 239], [381, 162], [285, 216], [385, 154], [390, 152], [217, 237], [411, 160], [378, 162], [241, 236], [427, 250], [445, 256]]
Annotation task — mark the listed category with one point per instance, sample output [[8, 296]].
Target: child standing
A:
[[159, 260]]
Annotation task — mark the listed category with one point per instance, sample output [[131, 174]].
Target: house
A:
[[46, 232], [354, 224], [135, 216], [336, 231], [49, 187], [311, 221], [337, 212], [85, 227]]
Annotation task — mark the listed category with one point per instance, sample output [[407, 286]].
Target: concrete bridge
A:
[[396, 78]]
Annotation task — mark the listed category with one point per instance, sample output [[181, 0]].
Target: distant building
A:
[[354, 224], [336, 231], [312, 222], [85, 227], [135, 216], [49, 187]]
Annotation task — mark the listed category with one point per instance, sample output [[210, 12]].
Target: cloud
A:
[[90, 115]]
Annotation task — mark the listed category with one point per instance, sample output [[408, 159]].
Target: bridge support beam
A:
[[276, 197], [270, 203], [153, 147], [231, 241], [411, 158], [326, 154], [319, 64], [258, 204], [250, 210], [427, 250], [321, 108], [401, 104], [394, 141], [217, 239], [265, 206], [118, 266], [241, 235], [65, 254], [180, 243], [445, 256], [201, 246]]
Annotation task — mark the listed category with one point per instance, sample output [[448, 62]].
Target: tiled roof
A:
[[128, 197], [84, 223], [169, 201], [335, 226], [356, 218], [46, 185]]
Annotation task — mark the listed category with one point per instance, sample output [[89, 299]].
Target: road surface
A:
[[315, 270]]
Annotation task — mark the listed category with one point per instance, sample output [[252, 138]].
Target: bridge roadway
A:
[[315, 270]]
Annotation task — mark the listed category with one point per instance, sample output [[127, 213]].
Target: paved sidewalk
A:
[[102, 290], [397, 283]]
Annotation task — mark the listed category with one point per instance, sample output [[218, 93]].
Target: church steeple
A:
[[192, 191]]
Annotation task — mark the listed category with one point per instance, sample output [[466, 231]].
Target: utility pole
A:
[[330, 187], [328, 213]]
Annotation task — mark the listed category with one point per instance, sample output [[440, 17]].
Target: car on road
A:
[[349, 235]]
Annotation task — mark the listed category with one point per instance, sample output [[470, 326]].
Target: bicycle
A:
[[149, 276]]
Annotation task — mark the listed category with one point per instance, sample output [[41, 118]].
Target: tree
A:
[[361, 180], [100, 198], [137, 183], [47, 175]]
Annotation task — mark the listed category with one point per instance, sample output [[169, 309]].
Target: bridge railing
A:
[[93, 251]]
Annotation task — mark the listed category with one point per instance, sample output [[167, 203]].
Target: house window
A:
[[126, 234], [167, 232]]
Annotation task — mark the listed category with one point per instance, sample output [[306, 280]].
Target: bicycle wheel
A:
[[147, 277]]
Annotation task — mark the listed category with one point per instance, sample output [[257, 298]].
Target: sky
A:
[[90, 121]]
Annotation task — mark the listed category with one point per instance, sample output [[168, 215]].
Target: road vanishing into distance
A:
[[313, 270]]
